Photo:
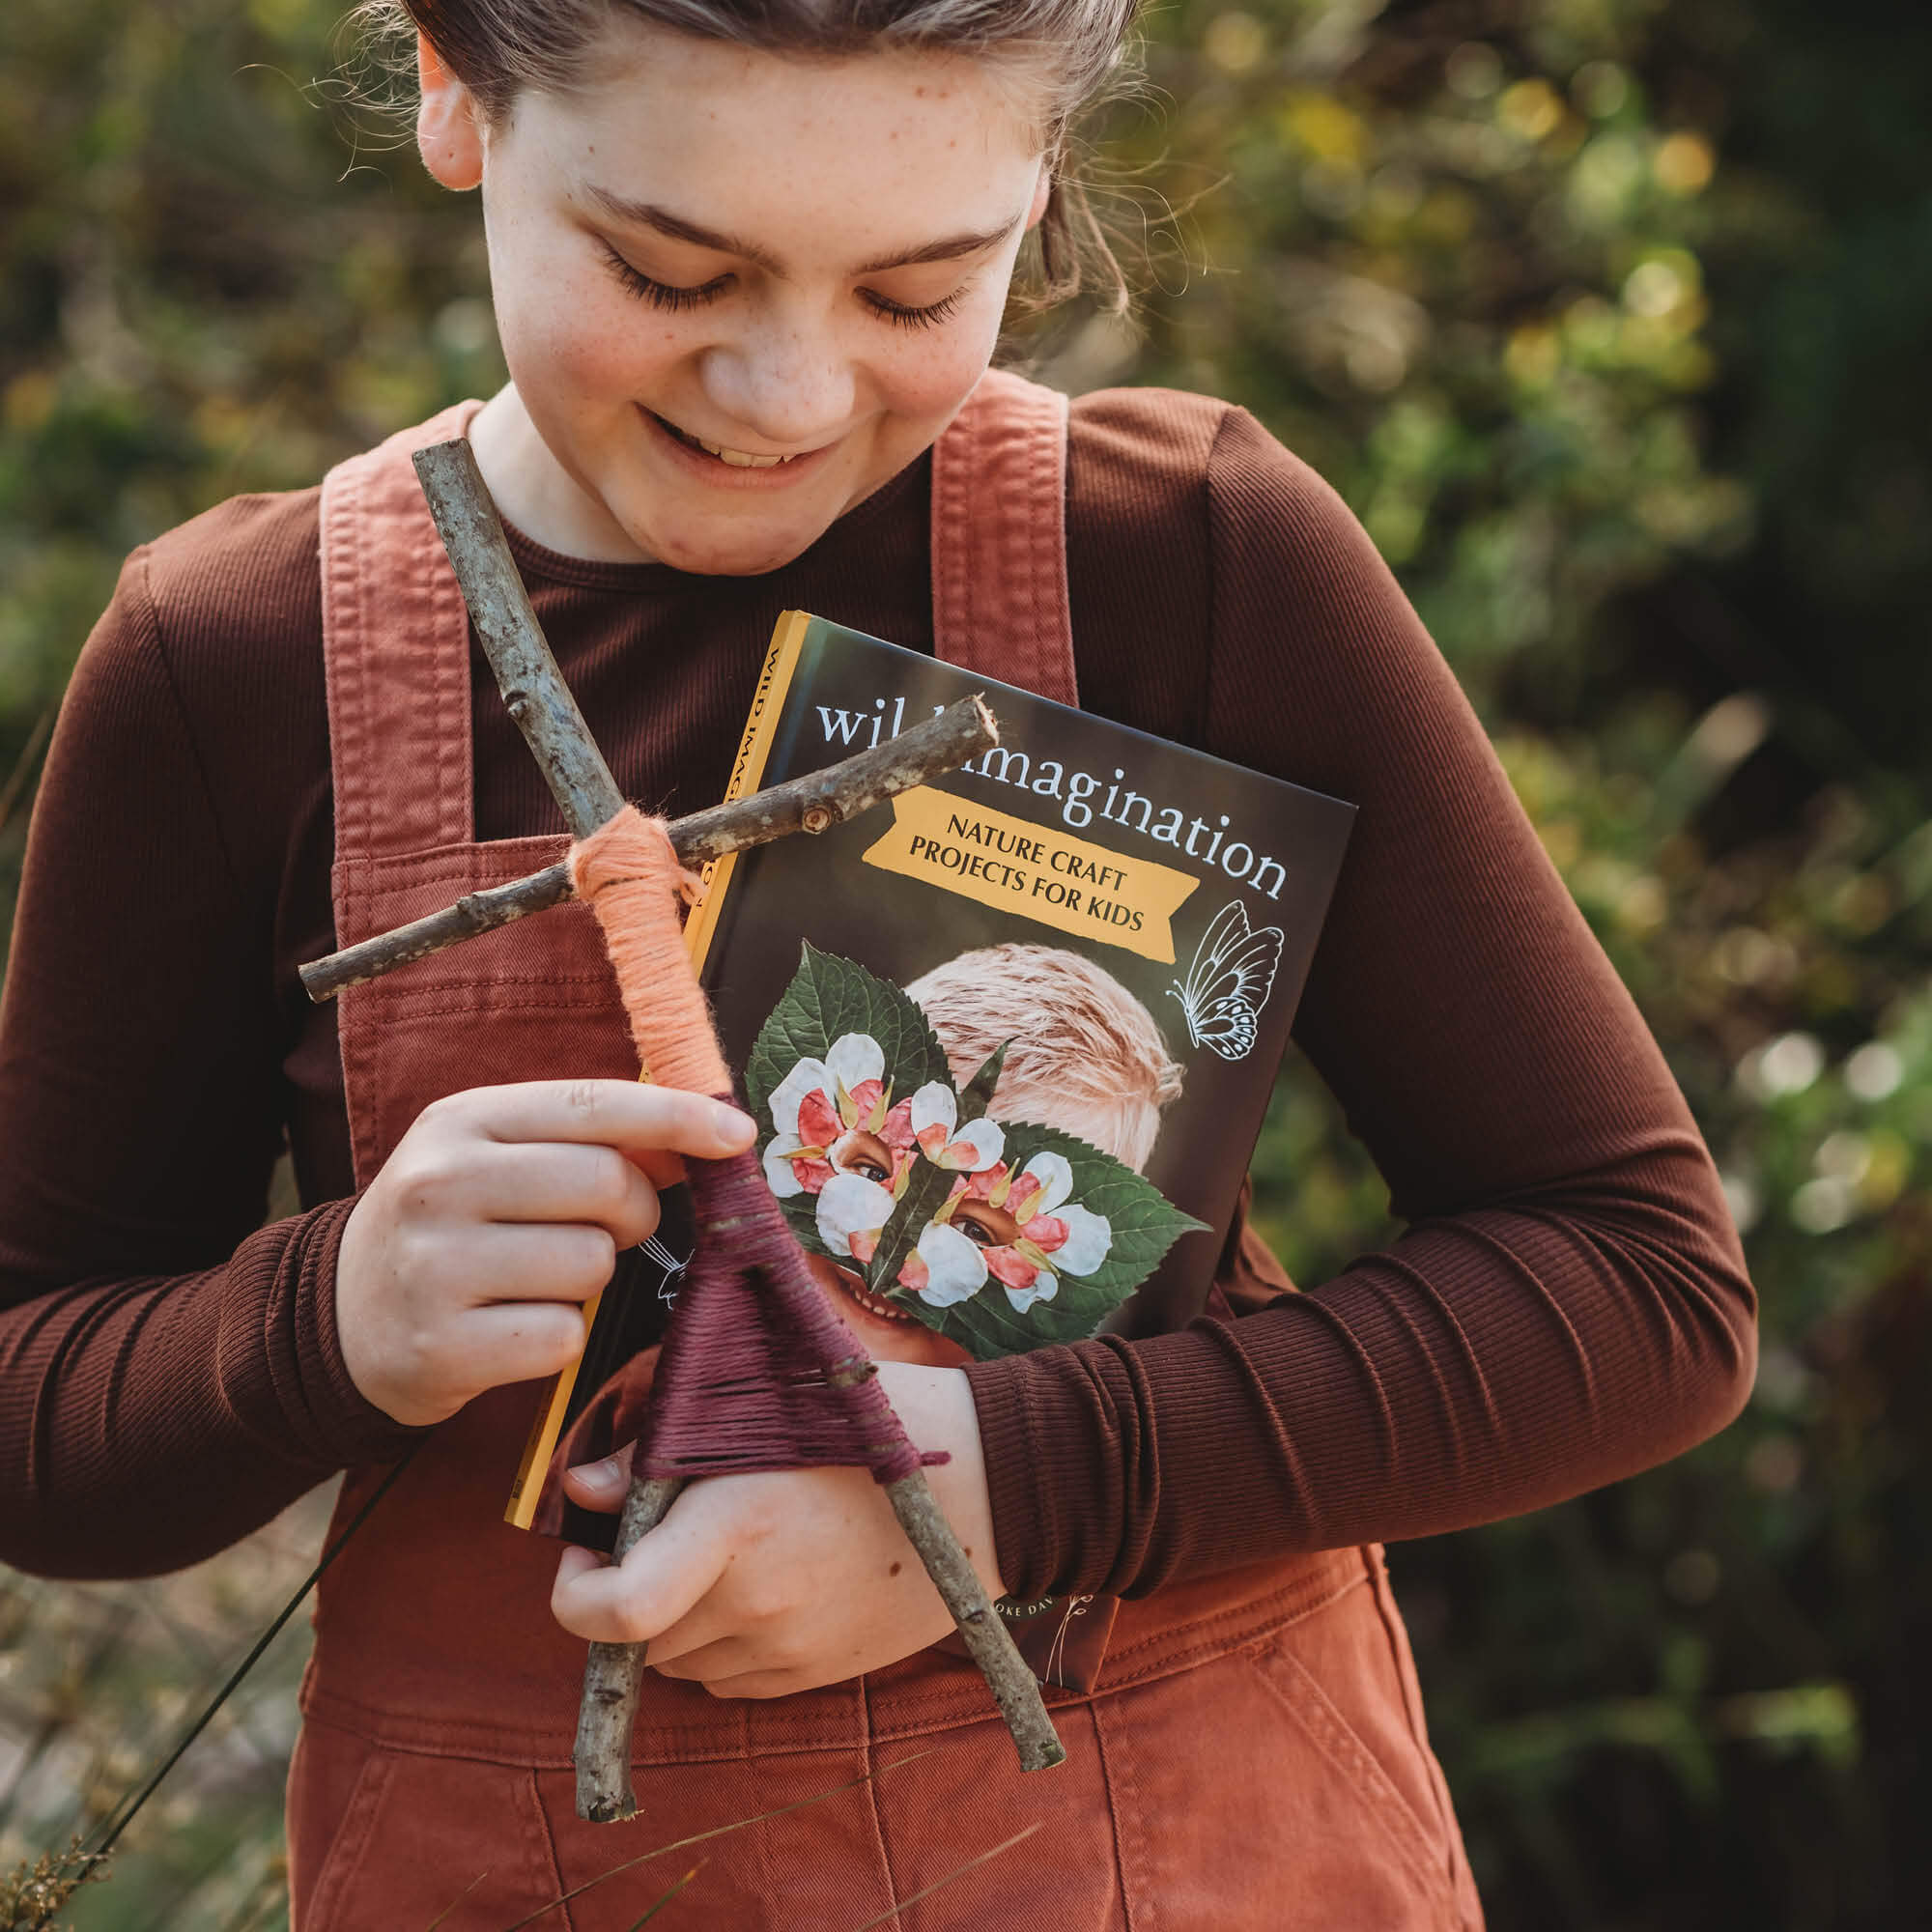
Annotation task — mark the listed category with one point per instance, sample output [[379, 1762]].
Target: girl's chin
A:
[[727, 546], [886, 1337]]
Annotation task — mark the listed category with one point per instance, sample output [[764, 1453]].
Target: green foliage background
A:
[[1608, 318]]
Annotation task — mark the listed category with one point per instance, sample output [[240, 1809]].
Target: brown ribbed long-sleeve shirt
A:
[[1569, 1303]]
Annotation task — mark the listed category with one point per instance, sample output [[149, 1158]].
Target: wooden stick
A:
[[612, 1675], [813, 802], [1015, 1688], [587, 794], [512, 640]]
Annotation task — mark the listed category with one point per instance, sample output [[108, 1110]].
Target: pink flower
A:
[[935, 1122], [818, 1105], [1029, 1233]]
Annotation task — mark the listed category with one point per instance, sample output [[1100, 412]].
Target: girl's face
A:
[[736, 292]]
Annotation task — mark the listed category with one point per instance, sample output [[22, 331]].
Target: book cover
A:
[[1008, 1038]]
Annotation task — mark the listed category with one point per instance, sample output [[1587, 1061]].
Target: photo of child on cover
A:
[[1077, 1057]]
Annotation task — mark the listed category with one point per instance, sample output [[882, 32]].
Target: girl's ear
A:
[[448, 135], [1042, 195]]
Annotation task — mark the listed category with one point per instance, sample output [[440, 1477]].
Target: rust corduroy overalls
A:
[[1252, 1758]]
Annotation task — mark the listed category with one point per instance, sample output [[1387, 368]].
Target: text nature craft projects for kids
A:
[[1008, 1036]]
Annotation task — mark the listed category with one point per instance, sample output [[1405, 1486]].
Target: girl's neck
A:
[[536, 495]]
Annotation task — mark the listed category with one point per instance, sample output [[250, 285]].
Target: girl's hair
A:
[[1069, 53], [1082, 1053]]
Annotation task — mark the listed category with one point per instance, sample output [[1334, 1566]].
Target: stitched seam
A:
[[372, 1780], [1411, 1703], [548, 1868], [455, 804], [889, 1883], [1059, 440], [1332, 1735], [1023, 457], [936, 1710], [343, 668], [951, 577], [1043, 602], [1286, 1607], [491, 862], [467, 1009], [480, 1741], [1114, 1805]]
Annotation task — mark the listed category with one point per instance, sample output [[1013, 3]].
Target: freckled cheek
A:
[[599, 358], [930, 372]]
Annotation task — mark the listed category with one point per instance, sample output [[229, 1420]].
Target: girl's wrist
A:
[[937, 1407]]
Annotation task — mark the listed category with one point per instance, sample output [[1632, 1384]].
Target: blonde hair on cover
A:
[[1082, 1053]]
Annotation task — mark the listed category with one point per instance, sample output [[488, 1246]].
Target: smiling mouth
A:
[[872, 1303], [734, 459]]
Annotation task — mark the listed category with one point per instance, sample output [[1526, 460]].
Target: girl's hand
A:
[[758, 1585], [500, 1212]]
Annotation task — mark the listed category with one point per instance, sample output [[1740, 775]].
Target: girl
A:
[[749, 259]]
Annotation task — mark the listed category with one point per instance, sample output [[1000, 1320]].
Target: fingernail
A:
[[602, 1474]]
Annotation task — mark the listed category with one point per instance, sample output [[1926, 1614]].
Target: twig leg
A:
[[1013, 1683], [611, 1676], [614, 1671]]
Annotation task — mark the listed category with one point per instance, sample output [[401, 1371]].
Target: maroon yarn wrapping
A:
[[758, 1371]]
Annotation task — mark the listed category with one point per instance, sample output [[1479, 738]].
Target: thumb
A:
[[661, 1578]]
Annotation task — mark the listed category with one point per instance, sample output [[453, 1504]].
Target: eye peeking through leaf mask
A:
[[998, 1235]]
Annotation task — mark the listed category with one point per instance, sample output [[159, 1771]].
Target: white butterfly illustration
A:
[[1229, 981], [672, 1265]]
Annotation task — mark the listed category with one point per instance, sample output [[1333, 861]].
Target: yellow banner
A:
[[1038, 872]]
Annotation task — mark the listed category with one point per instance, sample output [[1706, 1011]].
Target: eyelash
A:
[[664, 295], [901, 316], [661, 294]]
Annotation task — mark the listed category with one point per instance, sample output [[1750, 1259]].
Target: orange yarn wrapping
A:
[[628, 873], [756, 1370]]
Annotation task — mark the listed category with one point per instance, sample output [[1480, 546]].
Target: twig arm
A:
[[813, 802]]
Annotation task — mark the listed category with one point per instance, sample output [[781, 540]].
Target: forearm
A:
[[1486, 1364], [150, 1421]]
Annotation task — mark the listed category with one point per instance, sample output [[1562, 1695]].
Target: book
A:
[[1008, 1036]]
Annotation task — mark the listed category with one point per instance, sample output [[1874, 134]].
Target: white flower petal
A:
[[855, 1056], [956, 1270], [977, 1146], [1090, 1237], [1055, 1177], [934, 1106], [808, 1076], [848, 1205], [1044, 1286], [780, 1177]]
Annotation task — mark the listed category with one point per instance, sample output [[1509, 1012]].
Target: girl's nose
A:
[[791, 386]]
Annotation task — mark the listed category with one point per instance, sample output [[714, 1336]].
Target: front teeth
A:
[[738, 458]]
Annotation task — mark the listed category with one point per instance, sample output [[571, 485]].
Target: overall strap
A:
[[999, 538], [395, 641]]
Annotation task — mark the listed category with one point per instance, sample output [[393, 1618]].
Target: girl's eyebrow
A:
[[675, 228]]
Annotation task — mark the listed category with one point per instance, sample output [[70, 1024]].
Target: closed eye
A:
[[901, 316], [663, 295], [667, 296]]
